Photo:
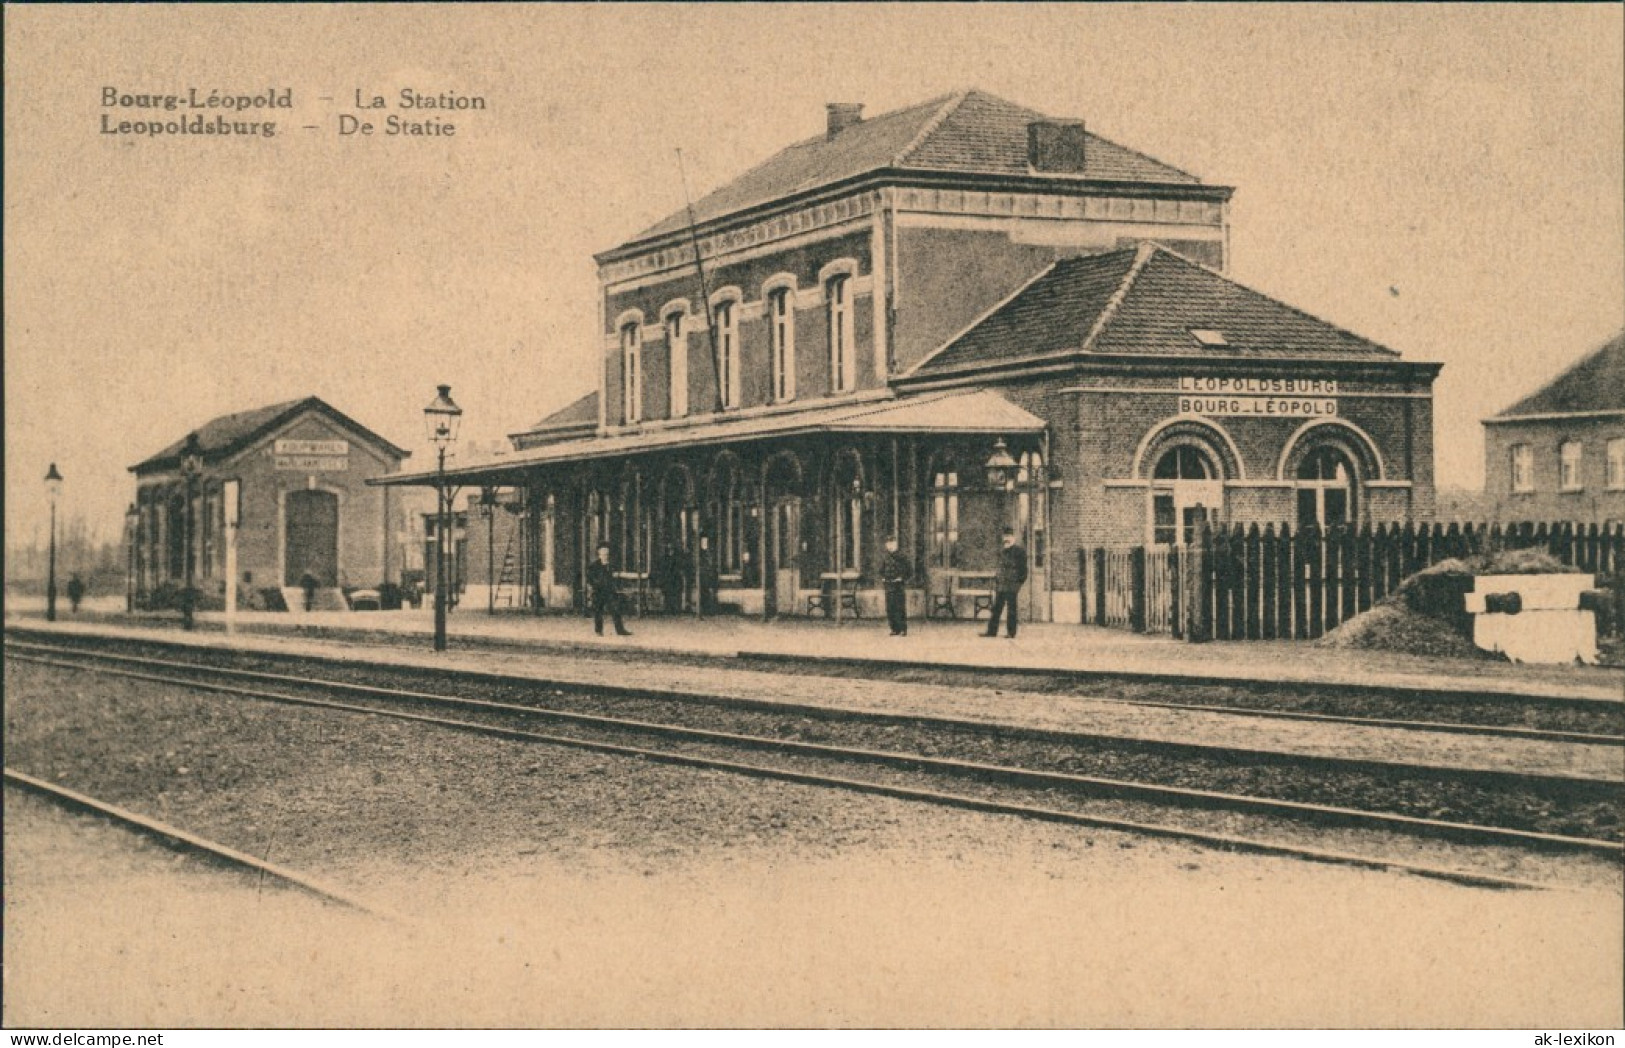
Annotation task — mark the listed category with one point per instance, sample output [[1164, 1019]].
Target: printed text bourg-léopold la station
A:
[[407, 113]]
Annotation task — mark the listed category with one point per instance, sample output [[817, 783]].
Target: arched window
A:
[[843, 371], [677, 348], [724, 315], [1326, 489], [632, 371], [1186, 489], [944, 549], [781, 333]]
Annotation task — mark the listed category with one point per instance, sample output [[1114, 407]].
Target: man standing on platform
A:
[[894, 573], [606, 596], [1007, 585]]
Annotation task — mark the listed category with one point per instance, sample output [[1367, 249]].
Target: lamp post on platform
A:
[[132, 531], [53, 488], [442, 418], [191, 466], [1001, 475]]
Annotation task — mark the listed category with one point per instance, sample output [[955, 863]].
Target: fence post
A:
[[1201, 608], [1223, 583], [1100, 585], [1364, 546], [1350, 582], [1332, 580], [1267, 589], [1083, 586], [1136, 597], [1177, 592], [1284, 587], [1310, 549], [1254, 587]]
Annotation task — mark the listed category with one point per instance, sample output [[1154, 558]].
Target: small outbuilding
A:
[[304, 509]]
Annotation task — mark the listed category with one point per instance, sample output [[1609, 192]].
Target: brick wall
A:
[[811, 341], [1593, 502]]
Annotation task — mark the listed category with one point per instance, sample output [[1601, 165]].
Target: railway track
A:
[[175, 837], [1551, 718], [1027, 787]]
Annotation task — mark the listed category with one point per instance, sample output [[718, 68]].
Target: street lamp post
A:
[[53, 488], [1001, 475], [132, 529], [442, 418], [191, 466]]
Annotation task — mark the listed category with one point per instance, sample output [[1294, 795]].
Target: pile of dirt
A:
[[1391, 626], [1427, 614]]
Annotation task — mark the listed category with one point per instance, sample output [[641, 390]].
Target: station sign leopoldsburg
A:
[[1268, 397]]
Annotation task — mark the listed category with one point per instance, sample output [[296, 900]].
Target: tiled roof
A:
[[970, 132], [1145, 300], [228, 434], [958, 411], [581, 411], [1596, 383]]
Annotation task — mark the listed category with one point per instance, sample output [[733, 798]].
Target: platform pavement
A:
[[1039, 646]]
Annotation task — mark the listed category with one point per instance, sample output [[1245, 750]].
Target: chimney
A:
[[843, 115], [1055, 146]]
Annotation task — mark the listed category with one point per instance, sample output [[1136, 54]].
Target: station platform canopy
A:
[[947, 413]]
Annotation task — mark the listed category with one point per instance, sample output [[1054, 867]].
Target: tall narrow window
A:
[[728, 352], [1616, 464], [1570, 458], [677, 348], [842, 367], [1523, 468], [632, 372], [781, 327]]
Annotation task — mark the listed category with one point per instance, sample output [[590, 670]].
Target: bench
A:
[[946, 600], [835, 588]]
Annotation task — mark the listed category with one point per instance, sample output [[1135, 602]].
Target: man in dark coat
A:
[[672, 577], [605, 594], [1007, 584], [894, 573], [76, 592]]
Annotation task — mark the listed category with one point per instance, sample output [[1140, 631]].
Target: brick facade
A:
[[370, 520], [1592, 501]]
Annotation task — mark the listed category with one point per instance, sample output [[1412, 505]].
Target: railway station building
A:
[[934, 324], [304, 507]]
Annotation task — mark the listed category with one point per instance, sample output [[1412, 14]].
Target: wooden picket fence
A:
[[1251, 583]]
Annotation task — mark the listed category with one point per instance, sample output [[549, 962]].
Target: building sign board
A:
[[312, 447], [313, 463], [1267, 397]]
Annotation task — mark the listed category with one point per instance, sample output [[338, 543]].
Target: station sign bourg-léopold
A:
[[1278, 397], [312, 456]]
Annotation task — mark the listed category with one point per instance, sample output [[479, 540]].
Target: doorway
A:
[[784, 553], [311, 538]]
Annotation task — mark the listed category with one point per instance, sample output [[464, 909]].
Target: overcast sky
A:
[[1447, 180]]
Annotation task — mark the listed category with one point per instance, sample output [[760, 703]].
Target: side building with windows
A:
[[304, 508], [1559, 453], [934, 324]]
